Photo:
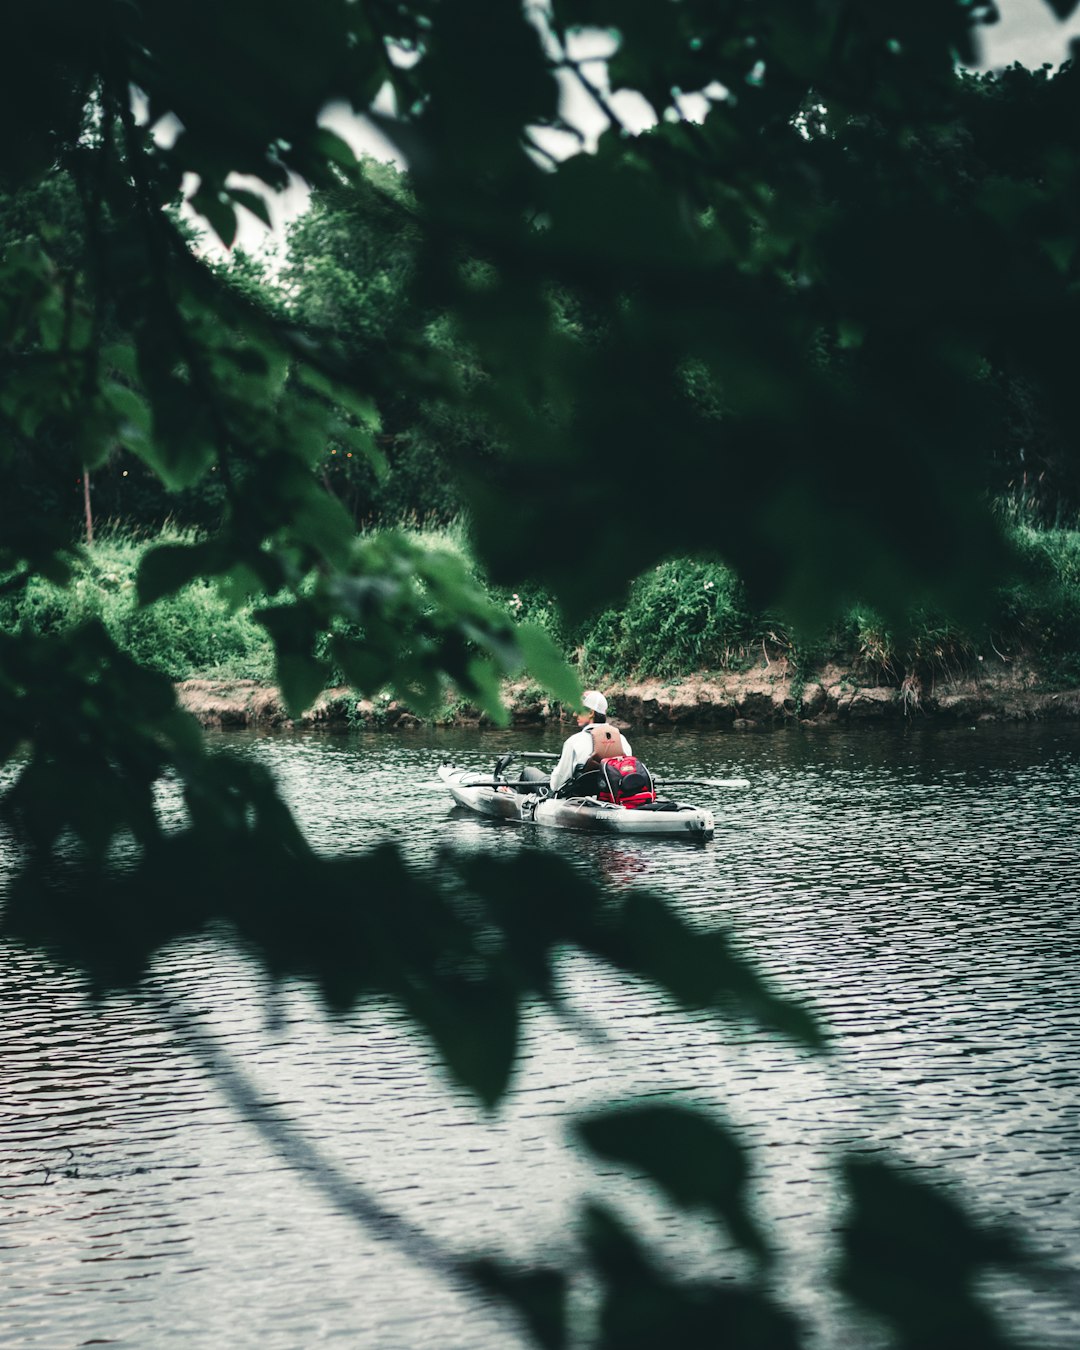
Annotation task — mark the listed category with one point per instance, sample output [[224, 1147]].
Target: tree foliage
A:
[[352, 270], [786, 328]]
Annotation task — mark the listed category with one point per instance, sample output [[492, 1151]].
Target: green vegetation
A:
[[680, 618], [1044, 612], [193, 632]]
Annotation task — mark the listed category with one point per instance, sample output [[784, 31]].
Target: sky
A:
[[1027, 32]]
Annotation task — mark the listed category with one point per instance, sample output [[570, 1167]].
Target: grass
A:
[[679, 618], [1040, 612], [194, 633], [1036, 616]]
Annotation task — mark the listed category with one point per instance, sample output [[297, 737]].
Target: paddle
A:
[[660, 782], [514, 754], [661, 785]]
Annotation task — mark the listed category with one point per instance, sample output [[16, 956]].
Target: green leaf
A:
[[294, 629], [181, 449], [320, 520], [366, 670], [121, 357], [483, 684], [474, 1023], [132, 408], [538, 1295], [301, 679], [362, 439], [700, 969], [239, 585], [643, 1307], [254, 202], [215, 209], [168, 568], [695, 1160], [341, 392], [913, 1256], [546, 663], [329, 144]]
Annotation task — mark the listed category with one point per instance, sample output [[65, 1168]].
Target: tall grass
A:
[[1036, 616], [679, 618], [190, 634], [1041, 610]]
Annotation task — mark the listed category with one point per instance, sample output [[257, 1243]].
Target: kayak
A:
[[530, 803]]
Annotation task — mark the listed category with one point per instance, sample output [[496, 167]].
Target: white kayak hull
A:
[[574, 813]]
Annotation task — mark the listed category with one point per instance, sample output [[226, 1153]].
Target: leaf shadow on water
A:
[[461, 954]]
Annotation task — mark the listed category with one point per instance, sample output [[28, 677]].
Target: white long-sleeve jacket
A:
[[576, 750]]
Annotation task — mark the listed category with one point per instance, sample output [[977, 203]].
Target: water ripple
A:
[[918, 890]]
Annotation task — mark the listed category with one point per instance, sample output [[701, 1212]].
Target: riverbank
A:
[[1021, 664], [768, 696]]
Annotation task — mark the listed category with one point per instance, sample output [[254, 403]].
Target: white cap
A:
[[593, 699]]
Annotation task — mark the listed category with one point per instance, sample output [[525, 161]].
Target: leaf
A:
[[301, 679], [121, 357], [168, 568], [334, 148], [366, 670], [538, 1295], [340, 391], [474, 1024], [699, 968], [483, 684], [319, 519], [255, 203], [182, 448], [132, 408], [546, 663], [214, 207], [239, 585], [913, 1256], [643, 1307], [362, 439], [294, 629], [695, 1160]]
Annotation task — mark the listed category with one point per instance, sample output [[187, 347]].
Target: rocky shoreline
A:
[[769, 696]]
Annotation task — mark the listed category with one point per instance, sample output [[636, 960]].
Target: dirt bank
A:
[[771, 695]]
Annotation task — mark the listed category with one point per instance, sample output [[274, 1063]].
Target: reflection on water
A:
[[918, 889]]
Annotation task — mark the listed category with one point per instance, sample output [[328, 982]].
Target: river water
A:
[[917, 888]]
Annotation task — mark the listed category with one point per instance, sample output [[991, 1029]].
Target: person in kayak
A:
[[595, 740]]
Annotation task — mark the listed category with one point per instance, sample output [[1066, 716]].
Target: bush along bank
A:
[[684, 649]]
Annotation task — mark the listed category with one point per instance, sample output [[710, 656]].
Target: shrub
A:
[[680, 617], [1040, 612], [192, 633]]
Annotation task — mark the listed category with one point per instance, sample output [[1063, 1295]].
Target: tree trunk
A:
[[86, 507]]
